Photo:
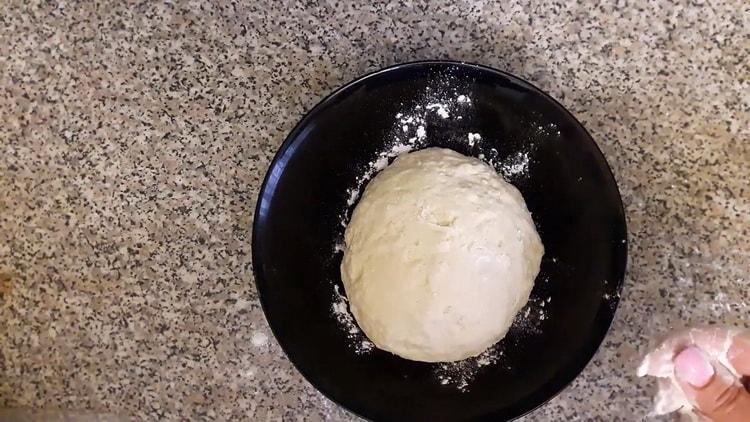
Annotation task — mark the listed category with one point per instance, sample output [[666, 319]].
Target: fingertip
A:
[[692, 367]]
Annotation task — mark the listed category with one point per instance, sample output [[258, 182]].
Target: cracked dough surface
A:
[[440, 255]]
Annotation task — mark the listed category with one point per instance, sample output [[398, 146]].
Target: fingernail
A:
[[692, 367]]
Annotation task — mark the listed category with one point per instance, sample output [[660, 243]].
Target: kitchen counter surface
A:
[[135, 135]]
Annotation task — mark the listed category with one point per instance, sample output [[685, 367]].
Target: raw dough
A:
[[441, 254]]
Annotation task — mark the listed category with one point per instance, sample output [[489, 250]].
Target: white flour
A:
[[517, 165], [460, 374], [442, 110], [340, 310], [410, 132], [473, 138], [259, 339]]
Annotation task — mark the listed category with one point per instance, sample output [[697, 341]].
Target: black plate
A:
[[569, 189]]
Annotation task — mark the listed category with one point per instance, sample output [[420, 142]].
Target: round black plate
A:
[[569, 190]]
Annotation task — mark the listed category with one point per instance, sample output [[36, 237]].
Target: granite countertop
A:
[[134, 137]]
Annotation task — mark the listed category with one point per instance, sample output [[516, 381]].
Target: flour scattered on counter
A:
[[259, 339], [251, 371]]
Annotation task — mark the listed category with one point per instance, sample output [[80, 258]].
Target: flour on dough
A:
[[440, 255]]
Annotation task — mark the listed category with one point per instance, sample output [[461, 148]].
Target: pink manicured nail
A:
[[692, 367]]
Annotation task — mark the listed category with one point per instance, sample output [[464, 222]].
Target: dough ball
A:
[[441, 254]]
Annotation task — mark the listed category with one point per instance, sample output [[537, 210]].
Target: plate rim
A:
[[581, 362]]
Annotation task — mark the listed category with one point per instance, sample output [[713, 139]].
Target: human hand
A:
[[717, 397], [699, 373]]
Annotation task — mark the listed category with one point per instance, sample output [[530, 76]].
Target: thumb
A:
[[713, 389]]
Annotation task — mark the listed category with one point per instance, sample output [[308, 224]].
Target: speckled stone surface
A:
[[134, 136]]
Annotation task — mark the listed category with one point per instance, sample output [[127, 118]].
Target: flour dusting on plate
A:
[[357, 339], [412, 127]]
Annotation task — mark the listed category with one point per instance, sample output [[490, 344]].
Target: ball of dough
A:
[[440, 255]]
